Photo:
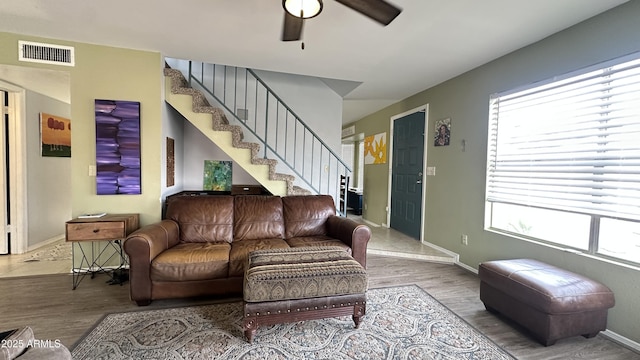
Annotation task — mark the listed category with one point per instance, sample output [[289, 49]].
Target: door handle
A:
[[419, 181]]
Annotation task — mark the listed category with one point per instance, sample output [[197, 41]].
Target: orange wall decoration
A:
[[375, 149]]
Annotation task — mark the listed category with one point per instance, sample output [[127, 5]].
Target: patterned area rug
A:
[[401, 323], [58, 251]]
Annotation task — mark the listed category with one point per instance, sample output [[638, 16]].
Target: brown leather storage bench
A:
[[290, 285], [550, 302]]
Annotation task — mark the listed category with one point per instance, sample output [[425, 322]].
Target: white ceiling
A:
[[429, 42]]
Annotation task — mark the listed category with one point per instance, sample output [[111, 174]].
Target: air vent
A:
[[46, 53], [351, 130]]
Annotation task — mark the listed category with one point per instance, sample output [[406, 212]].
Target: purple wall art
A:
[[117, 147]]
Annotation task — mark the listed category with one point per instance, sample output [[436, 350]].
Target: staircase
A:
[[257, 158]]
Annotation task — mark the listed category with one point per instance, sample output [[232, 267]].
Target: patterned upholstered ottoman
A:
[[307, 283]]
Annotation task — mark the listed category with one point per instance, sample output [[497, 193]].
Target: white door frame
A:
[[17, 177], [424, 108], [4, 245]]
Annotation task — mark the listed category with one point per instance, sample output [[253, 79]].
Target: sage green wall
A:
[[455, 196], [103, 72]]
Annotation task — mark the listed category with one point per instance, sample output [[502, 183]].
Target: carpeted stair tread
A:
[[283, 177], [255, 149], [297, 190]]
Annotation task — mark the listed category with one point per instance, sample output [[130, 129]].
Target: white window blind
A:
[[571, 144]]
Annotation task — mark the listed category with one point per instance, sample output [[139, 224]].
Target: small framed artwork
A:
[[443, 132], [55, 135], [217, 175]]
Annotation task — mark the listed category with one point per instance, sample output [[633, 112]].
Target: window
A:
[[357, 170], [347, 154], [564, 161]]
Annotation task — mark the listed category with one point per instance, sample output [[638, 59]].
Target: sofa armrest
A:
[[16, 343], [351, 233], [142, 246], [19, 344]]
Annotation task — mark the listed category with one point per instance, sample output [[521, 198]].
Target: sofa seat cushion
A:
[[192, 261], [320, 240], [240, 250]]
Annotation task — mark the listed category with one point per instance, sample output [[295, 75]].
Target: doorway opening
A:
[[353, 155], [12, 230], [407, 164], [5, 210]]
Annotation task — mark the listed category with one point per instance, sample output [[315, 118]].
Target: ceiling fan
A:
[[296, 11]]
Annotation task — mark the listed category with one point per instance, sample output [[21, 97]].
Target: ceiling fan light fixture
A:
[[305, 9]]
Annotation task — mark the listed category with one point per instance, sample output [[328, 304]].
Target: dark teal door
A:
[[406, 174]]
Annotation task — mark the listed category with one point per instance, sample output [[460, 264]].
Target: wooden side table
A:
[[112, 228]]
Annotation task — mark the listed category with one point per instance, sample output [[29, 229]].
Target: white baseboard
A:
[[433, 259], [467, 267], [85, 270], [46, 242], [617, 338], [455, 256], [370, 223]]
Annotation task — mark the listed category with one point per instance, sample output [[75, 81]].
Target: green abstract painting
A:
[[217, 175]]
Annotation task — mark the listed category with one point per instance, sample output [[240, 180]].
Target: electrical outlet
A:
[[92, 170], [465, 239]]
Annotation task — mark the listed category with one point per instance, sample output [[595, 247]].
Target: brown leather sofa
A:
[[202, 246]]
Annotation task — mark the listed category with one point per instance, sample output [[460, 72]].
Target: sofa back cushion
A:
[[257, 217], [203, 218], [306, 215]]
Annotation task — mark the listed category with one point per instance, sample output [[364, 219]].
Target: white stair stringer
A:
[[213, 123]]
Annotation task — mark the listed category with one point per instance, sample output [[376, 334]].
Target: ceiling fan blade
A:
[[292, 28], [379, 10]]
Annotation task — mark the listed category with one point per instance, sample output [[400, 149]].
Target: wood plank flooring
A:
[[54, 311]]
